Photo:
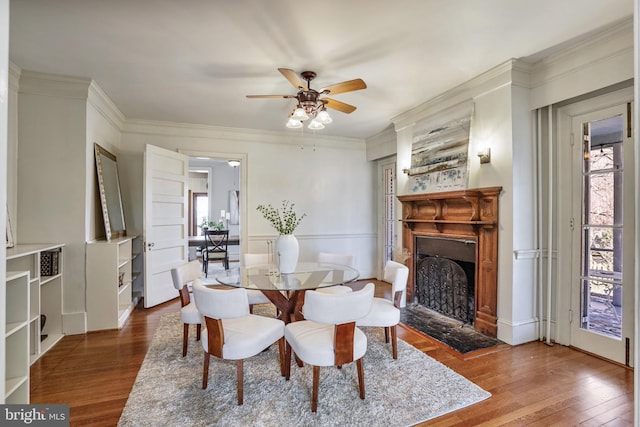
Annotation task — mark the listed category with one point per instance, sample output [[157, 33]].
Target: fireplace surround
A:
[[470, 215]]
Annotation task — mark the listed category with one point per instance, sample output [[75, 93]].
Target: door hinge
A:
[[571, 141], [570, 316], [571, 224]]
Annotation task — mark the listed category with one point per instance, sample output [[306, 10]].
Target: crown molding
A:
[[99, 99], [158, 128], [512, 71], [44, 84], [14, 76]]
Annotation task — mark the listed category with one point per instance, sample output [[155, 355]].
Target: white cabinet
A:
[[16, 387], [44, 263], [109, 283]]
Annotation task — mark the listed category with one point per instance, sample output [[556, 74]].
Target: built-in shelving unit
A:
[[110, 274], [16, 386], [43, 263], [137, 265]]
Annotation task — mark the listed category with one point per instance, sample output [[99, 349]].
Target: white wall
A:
[[333, 183]]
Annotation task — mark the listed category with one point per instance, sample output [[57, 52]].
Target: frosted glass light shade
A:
[[299, 114], [294, 123], [323, 117], [315, 125]]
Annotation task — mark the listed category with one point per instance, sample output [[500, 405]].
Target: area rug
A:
[[462, 338], [168, 388]]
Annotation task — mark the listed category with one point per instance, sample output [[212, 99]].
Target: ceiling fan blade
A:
[[348, 86], [293, 78], [337, 105], [271, 96]]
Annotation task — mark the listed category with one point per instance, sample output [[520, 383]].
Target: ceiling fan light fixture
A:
[[315, 125], [234, 163], [294, 123], [323, 117], [299, 114]]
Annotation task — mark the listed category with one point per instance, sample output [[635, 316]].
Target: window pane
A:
[[600, 202], [603, 311]]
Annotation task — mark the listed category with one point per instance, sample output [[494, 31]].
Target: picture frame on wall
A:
[[9, 233]]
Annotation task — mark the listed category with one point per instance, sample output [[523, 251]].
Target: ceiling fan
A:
[[312, 103]]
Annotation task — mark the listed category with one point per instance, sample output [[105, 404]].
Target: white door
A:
[[166, 176], [602, 284]]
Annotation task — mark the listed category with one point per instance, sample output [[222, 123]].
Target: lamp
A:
[[234, 163], [313, 109], [485, 155]]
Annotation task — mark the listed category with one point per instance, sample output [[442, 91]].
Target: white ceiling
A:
[[193, 61]]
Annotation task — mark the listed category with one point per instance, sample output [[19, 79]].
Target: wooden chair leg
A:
[[360, 377], [205, 370], [281, 353], [185, 338], [314, 394], [198, 330], [386, 335], [287, 361], [394, 342], [240, 382], [250, 308]]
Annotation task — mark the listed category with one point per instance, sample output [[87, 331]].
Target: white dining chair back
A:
[[336, 309], [397, 274], [232, 333], [183, 276], [338, 259], [251, 260]]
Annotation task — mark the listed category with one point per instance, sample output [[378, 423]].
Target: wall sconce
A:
[[234, 163], [485, 155]]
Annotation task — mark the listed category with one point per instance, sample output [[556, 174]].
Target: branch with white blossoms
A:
[[285, 220]]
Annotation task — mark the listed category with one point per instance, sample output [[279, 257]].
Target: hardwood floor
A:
[[531, 384]]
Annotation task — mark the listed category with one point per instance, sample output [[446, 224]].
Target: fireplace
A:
[[452, 239], [445, 276]]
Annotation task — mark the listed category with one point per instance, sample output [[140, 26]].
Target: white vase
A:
[[286, 253]]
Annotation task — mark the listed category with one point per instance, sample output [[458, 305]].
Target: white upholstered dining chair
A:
[[329, 336], [183, 276], [232, 333], [339, 259], [385, 313], [255, 296]]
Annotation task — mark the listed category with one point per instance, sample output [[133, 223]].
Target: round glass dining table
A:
[[286, 291]]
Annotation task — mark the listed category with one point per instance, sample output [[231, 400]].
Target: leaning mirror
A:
[[110, 197]]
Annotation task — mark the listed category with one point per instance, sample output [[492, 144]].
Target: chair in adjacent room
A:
[[385, 313], [255, 296], [232, 333], [215, 249], [329, 336], [339, 259], [183, 276]]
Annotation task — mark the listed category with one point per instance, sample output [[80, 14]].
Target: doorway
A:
[[601, 225], [217, 198]]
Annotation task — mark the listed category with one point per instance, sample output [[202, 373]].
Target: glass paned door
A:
[[603, 201], [602, 226]]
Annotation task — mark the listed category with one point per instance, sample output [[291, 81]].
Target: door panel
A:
[[602, 293], [165, 221]]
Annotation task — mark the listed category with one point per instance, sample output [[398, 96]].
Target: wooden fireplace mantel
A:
[[470, 214]]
